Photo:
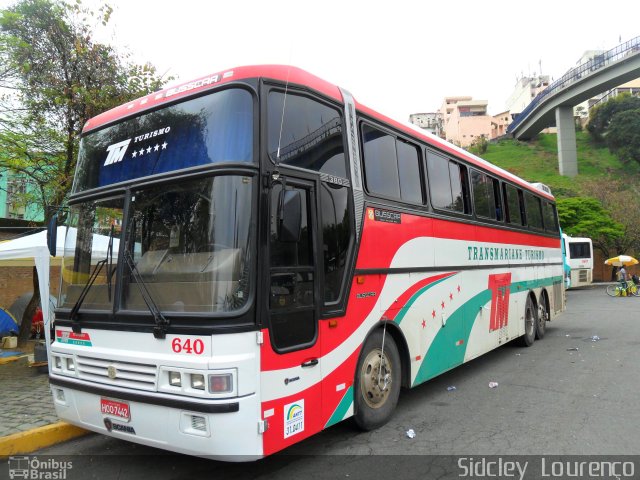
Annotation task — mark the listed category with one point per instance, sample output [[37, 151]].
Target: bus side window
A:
[[486, 196], [448, 186], [534, 211], [550, 217], [391, 166], [514, 205]]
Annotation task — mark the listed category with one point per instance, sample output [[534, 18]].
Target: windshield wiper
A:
[[162, 324], [92, 278]]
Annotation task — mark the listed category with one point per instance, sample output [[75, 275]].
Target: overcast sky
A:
[[397, 56]]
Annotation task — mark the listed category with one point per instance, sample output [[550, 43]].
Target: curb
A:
[[37, 438]]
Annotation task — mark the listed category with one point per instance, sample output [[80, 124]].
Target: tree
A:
[[600, 116], [55, 78], [621, 200], [586, 217], [623, 135], [479, 145]]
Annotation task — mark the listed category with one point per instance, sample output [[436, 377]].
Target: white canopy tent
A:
[[32, 250]]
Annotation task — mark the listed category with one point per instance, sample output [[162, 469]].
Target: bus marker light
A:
[[220, 383], [174, 379], [360, 279], [333, 323]]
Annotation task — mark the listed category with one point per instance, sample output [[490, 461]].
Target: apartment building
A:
[[13, 188], [525, 90]]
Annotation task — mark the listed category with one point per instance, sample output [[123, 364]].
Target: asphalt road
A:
[[565, 395]]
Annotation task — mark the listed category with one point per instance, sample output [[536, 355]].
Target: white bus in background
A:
[[580, 257]]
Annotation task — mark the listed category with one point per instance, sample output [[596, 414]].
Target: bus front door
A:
[[291, 370]]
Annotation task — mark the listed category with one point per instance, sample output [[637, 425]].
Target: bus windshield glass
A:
[[87, 242], [213, 129], [190, 245]]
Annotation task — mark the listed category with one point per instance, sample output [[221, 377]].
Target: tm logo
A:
[[499, 284], [116, 152]]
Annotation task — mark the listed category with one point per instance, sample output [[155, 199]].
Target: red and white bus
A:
[[255, 256]]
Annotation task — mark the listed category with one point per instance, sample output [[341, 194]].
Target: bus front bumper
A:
[[222, 430]]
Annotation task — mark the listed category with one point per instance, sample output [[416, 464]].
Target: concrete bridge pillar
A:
[[567, 151]]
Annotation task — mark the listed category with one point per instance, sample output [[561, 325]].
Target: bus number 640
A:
[[178, 345]]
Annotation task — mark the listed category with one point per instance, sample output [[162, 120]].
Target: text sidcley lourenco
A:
[[498, 467]]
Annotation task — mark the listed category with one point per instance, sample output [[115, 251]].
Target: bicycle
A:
[[622, 290]]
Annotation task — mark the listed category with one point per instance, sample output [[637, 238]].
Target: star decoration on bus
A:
[[442, 304], [451, 297], [424, 323], [433, 314], [149, 149]]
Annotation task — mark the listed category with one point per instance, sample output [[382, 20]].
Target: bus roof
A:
[[577, 239], [294, 76]]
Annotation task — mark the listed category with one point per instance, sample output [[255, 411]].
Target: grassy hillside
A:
[[537, 161]]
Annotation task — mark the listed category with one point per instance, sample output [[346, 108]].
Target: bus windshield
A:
[[213, 129], [189, 243]]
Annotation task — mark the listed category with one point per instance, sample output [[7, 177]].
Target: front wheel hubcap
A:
[[376, 378]]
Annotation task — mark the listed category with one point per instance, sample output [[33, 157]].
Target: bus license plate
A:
[[115, 408]]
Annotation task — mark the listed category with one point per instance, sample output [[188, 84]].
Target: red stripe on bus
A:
[[381, 241]]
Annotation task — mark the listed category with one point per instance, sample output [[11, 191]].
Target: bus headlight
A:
[[197, 381], [221, 383], [57, 362], [175, 379], [70, 365]]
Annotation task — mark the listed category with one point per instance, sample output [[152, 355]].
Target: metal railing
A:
[[630, 47]]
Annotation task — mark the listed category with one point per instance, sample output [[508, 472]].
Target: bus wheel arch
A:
[[378, 378], [543, 314], [530, 319]]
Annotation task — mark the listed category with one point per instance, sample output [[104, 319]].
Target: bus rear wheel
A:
[[377, 382], [530, 320], [543, 317]]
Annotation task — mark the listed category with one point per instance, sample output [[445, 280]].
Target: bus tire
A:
[[530, 320], [543, 317], [377, 381]]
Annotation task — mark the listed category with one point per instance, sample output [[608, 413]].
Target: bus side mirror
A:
[[52, 235], [290, 216]]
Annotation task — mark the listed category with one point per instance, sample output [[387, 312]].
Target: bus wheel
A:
[[377, 382], [543, 316], [530, 320]]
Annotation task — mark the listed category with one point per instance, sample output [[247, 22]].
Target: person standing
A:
[[622, 273]]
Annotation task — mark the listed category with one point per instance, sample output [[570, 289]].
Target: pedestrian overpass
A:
[[554, 105]]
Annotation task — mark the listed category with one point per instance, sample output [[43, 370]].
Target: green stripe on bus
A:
[[441, 356], [342, 408]]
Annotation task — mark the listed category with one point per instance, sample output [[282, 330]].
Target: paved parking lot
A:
[[573, 393]]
